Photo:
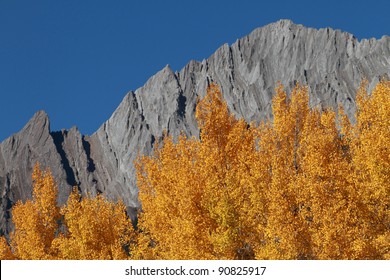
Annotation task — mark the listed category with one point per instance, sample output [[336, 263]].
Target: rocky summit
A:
[[331, 62]]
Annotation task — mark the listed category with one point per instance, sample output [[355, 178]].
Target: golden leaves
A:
[[96, 229], [35, 220], [5, 250], [187, 188], [89, 228], [295, 188], [308, 185]]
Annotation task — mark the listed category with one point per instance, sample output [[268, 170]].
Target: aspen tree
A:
[[89, 228], [302, 186], [36, 220], [5, 250], [191, 191], [284, 235], [329, 197], [370, 149], [95, 229]]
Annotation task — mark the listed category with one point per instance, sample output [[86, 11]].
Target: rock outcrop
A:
[[331, 62]]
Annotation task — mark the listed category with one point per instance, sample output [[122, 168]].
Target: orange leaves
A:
[[89, 228], [213, 116], [5, 250], [188, 188], [301, 187], [96, 229], [291, 189], [170, 190], [36, 220], [370, 151]]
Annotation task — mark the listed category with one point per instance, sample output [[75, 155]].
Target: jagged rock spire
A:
[[331, 62]]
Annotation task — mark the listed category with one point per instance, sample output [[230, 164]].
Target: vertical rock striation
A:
[[331, 62]]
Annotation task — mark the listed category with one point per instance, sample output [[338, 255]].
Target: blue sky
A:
[[77, 59]]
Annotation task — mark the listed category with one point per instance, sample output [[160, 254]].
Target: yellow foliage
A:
[[89, 228], [294, 188], [370, 150], [5, 250], [306, 185], [96, 229], [188, 189], [35, 220]]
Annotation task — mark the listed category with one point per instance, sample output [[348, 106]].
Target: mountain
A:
[[331, 62]]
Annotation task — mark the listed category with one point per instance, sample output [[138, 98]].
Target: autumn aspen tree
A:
[[84, 228], [192, 190], [370, 149], [36, 220], [308, 184], [95, 229], [303, 186]]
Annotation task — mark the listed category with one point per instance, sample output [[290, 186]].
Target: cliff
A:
[[331, 62]]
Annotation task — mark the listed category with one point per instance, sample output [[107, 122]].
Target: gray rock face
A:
[[332, 63], [18, 154]]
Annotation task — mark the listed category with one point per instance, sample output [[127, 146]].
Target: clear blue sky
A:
[[76, 59]]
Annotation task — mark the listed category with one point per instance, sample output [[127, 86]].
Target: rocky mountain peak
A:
[[331, 62], [38, 125]]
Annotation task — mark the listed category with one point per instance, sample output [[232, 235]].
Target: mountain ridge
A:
[[331, 62]]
